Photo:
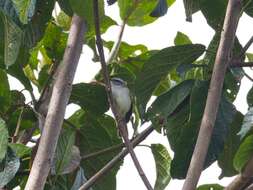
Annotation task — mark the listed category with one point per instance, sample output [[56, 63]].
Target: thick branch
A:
[[214, 94], [57, 107], [116, 159], [120, 121], [241, 64], [243, 179]]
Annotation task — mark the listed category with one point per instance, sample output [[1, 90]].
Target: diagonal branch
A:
[[57, 107], [214, 94], [246, 47], [120, 121], [115, 48], [138, 139]]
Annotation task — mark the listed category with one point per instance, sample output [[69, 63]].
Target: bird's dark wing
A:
[[129, 114]]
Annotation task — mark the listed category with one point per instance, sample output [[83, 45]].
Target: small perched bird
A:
[[121, 96]]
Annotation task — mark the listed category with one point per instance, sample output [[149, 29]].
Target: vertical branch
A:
[[121, 123], [214, 94], [57, 107]]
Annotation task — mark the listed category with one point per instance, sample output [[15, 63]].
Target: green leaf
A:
[[214, 12], [184, 136], [4, 92], [191, 6], [66, 7], [64, 21], [86, 95], [12, 40], [182, 39], [3, 140], [7, 7], [166, 103], [54, 42], [162, 160], [97, 133], [248, 7], [137, 13], [250, 97], [11, 164], [210, 187], [159, 65], [244, 153], [25, 9], [232, 143], [63, 151], [247, 123], [20, 149]]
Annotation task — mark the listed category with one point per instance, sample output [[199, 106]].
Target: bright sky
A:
[[159, 35]]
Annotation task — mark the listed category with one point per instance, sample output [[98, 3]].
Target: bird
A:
[[122, 98]]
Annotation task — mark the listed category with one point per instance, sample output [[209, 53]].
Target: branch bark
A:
[[120, 121], [244, 179], [214, 94], [57, 107], [138, 139]]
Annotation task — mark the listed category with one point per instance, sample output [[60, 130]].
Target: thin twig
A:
[[248, 77], [214, 94], [14, 138], [241, 64], [120, 121], [115, 49], [138, 139], [103, 151], [246, 47]]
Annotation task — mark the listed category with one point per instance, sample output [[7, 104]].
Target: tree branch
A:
[[214, 94], [138, 139], [241, 64], [120, 121], [246, 47], [57, 107], [243, 179], [115, 49]]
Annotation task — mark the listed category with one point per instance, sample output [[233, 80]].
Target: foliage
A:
[[176, 78]]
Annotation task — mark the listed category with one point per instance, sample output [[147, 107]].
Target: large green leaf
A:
[[84, 8], [244, 153], [54, 42], [138, 13], [20, 150], [214, 11], [247, 123], [86, 95], [12, 40], [159, 65], [166, 103], [7, 7], [97, 133], [65, 6], [162, 160], [210, 187], [3, 139], [25, 9], [4, 92], [183, 138], [10, 167], [64, 151], [232, 143]]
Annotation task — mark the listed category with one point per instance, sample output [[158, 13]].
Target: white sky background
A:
[[158, 35]]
